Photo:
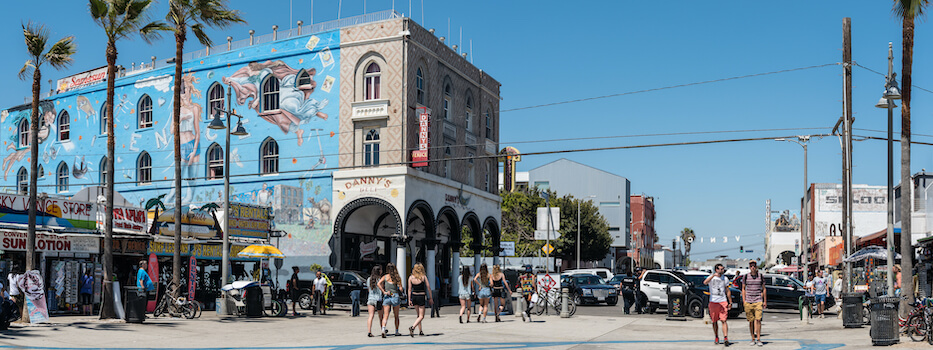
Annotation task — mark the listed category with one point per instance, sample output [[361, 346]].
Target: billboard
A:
[[869, 210], [419, 157], [83, 79], [250, 221]]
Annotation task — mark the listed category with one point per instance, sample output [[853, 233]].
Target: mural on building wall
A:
[[297, 118]]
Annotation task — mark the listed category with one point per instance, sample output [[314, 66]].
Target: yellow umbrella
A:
[[260, 251]]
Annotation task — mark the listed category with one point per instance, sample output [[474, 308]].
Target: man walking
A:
[[819, 290], [528, 285], [719, 305], [641, 300], [629, 285], [293, 291], [756, 299], [318, 288]]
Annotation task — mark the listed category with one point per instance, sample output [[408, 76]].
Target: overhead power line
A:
[[670, 87]]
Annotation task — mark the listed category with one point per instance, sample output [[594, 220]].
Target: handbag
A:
[[534, 298]]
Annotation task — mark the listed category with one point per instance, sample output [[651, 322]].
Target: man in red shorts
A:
[[719, 302]]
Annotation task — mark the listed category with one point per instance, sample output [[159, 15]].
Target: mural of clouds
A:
[[162, 83]]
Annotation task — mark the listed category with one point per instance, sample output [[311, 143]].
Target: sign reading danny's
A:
[[419, 157], [368, 184]]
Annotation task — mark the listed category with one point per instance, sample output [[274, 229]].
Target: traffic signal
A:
[[741, 249]]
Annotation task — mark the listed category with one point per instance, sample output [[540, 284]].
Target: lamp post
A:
[[218, 124], [578, 229], [891, 93], [802, 140]]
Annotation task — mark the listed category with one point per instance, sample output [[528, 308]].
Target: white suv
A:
[[602, 272]]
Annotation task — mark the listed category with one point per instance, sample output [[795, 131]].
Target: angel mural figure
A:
[[46, 119], [294, 106], [189, 132]]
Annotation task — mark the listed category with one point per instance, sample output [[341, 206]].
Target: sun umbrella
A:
[[261, 251], [872, 252]]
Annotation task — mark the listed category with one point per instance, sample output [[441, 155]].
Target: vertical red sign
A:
[[419, 157], [154, 276]]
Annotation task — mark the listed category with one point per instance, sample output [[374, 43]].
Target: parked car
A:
[[602, 272], [784, 292], [616, 281], [590, 289], [346, 281], [654, 285]]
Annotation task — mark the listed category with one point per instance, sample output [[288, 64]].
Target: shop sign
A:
[[195, 223], [192, 277], [508, 248], [130, 246], [419, 157], [54, 212], [79, 80], [368, 184], [367, 249], [16, 241], [129, 218], [249, 221], [198, 251]]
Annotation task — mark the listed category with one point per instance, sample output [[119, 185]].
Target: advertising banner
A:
[[251, 221], [863, 199], [79, 80], [50, 243], [195, 223], [198, 251], [419, 157], [54, 212]]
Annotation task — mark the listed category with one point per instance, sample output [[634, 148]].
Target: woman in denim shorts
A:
[[374, 303], [391, 287], [466, 292], [482, 282]]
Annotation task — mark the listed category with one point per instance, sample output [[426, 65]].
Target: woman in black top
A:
[[293, 290], [419, 294], [500, 289]]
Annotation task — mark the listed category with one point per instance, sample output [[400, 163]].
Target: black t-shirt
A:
[[629, 282], [294, 281]]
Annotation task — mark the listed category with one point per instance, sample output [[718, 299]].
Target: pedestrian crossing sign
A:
[[547, 248]]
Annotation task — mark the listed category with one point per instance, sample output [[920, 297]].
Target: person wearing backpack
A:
[[755, 298]]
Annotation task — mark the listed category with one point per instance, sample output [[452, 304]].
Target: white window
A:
[[103, 170], [488, 124], [304, 78], [419, 87], [446, 111], [64, 125], [215, 162], [469, 114], [144, 169], [270, 156], [371, 147], [372, 77], [270, 93], [215, 100], [40, 172], [62, 182], [103, 119], [22, 180], [145, 112], [24, 133]]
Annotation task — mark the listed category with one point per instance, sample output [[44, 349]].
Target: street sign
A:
[[547, 248], [547, 282], [541, 235], [508, 248], [542, 219]]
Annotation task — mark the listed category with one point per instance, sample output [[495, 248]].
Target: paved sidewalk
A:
[[339, 331]]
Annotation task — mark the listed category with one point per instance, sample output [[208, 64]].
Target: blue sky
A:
[[548, 51]]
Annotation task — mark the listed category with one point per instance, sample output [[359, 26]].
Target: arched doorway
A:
[[491, 231], [420, 228], [366, 233], [448, 251], [470, 227]]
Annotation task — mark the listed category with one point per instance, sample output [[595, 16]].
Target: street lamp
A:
[[578, 230], [802, 140], [891, 93], [218, 124]]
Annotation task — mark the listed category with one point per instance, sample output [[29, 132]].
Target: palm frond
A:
[[198, 30], [909, 8], [26, 69], [59, 55], [153, 31], [36, 37], [98, 9]]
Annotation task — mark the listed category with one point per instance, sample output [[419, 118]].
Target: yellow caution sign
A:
[[547, 248]]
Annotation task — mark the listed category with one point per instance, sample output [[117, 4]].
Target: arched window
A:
[[22, 180], [304, 78], [371, 79], [23, 133], [270, 93], [469, 114], [215, 162], [62, 181], [215, 100], [103, 119], [40, 172], [103, 171], [144, 169], [64, 125], [488, 124], [145, 112], [269, 153], [371, 147], [447, 101], [419, 86]]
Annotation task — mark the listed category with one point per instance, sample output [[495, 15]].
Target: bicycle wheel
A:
[[159, 309], [188, 310], [916, 328], [572, 308], [540, 306]]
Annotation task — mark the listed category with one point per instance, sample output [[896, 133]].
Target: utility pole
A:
[[847, 147]]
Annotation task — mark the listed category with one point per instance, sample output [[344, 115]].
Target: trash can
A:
[[884, 320], [135, 305], [676, 296], [852, 310], [253, 301]]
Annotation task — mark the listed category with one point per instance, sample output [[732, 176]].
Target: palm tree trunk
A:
[[907, 276], [33, 178], [176, 120], [107, 292]]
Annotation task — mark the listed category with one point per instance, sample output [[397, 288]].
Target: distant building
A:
[[611, 193], [642, 228], [663, 257], [921, 206]]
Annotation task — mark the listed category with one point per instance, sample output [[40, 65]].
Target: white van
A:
[[602, 272]]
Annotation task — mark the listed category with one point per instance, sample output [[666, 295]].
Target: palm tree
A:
[[687, 236], [59, 56], [182, 16], [212, 208], [907, 11], [155, 203], [119, 19]]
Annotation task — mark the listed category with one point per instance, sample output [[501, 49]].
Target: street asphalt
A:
[[593, 327]]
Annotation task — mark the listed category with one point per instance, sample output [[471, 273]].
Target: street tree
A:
[[907, 11], [58, 55], [119, 19], [193, 15]]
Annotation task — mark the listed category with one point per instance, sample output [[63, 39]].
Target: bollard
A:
[[565, 298], [804, 305]]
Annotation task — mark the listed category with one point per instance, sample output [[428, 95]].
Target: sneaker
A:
[[760, 343], [753, 343], [725, 341], [716, 341], [524, 317]]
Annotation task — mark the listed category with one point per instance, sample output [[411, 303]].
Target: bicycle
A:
[[176, 307], [551, 297]]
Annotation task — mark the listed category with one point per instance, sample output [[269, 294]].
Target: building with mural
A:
[[336, 115]]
